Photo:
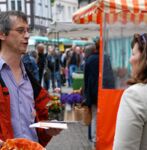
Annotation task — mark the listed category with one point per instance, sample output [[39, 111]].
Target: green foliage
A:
[[52, 1]]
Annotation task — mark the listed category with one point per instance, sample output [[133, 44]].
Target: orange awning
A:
[[115, 10], [86, 14]]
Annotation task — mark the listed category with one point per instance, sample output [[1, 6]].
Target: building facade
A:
[[84, 2], [38, 12], [62, 10]]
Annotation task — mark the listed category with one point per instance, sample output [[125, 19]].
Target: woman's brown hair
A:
[[141, 76]]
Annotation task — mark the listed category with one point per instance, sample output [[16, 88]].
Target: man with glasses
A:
[[22, 100]]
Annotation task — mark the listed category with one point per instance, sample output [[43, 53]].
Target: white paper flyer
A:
[[49, 124]]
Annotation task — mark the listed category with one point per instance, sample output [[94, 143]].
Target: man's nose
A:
[[27, 34]]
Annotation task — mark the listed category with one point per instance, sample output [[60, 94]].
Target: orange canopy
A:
[[86, 14], [128, 10]]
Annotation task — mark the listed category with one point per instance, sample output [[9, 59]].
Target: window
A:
[[46, 2], [19, 5], [74, 9], [40, 2], [69, 11], [12, 4], [16, 5]]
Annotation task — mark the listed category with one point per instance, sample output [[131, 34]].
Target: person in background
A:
[[73, 62], [41, 60], [34, 54], [67, 59], [91, 70], [57, 68], [63, 65], [53, 60], [131, 123], [30, 61], [51, 63], [87, 52], [22, 100], [91, 73]]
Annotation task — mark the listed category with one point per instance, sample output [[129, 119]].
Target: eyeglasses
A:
[[21, 30], [143, 38]]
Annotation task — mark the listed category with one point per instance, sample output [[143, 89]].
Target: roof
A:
[[39, 38], [72, 30], [128, 10]]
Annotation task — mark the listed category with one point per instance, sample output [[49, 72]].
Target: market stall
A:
[[118, 21], [34, 40]]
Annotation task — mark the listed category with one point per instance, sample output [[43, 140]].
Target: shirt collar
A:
[[3, 63], [23, 69]]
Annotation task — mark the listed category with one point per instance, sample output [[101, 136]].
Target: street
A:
[[73, 138]]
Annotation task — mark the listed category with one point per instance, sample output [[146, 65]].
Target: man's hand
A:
[[53, 131]]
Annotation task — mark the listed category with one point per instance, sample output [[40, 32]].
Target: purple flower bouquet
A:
[[73, 98]]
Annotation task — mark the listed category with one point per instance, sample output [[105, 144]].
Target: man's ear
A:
[[2, 36]]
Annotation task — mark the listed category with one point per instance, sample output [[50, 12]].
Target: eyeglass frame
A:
[[21, 30]]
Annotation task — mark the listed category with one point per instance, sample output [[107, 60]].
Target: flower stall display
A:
[[55, 108], [66, 107], [54, 105], [71, 102], [71, 99]]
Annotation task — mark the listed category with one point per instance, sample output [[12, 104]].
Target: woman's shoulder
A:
[[137, 87], [136, 90]]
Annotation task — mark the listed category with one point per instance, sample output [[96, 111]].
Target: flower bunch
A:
[[54, 104], [54, 97], [71, 99]]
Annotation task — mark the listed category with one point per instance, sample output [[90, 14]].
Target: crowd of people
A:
[[52, 68]]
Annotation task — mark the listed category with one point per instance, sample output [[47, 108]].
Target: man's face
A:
[[17, 39], [78, 50]]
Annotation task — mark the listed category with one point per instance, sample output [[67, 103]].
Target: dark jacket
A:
[[74, 59], [91, 79], [41, 97], [53, 63], [91, 73], [41, 65], [31, 65]]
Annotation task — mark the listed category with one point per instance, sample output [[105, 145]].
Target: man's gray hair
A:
[[6, 21]]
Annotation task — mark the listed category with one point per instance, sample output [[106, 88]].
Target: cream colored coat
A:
[[131, 126]]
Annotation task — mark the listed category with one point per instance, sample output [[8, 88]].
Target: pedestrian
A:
[[30, 62], [67, 59], [131, 124], [22, 100], [53, 59], [73, 62], [91, 73], [41, 60]]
